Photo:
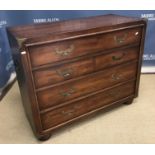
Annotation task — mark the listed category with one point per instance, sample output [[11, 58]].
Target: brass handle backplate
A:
[[116, 58], [116, 77], [120, 38], [68, 93], [65, 52], [70, 111]]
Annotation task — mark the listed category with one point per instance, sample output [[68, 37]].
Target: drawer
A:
[[63, 50], [88, 84], [65, 113], [116, 57], [52, 75]]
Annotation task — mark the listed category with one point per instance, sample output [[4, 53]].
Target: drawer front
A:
[[60, 115], [99, 80], [116, 57], [49, 53], [52, 75], [63, 72]]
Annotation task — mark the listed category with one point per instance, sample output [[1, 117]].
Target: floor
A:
[[133, 123]]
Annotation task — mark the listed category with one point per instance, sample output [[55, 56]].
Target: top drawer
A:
[[63, 50]]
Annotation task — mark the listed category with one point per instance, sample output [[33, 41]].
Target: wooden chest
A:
[[70, 69]]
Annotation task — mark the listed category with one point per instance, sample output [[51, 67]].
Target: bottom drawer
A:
[[68, 112]]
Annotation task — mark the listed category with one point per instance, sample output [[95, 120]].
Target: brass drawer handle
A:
[[69, 113], [120, 39], [116, 77], [65, 73], [116, 58], [68, 93], [66, 52]]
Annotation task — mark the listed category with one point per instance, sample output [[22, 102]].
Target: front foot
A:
[[128, 102], [44, 137]]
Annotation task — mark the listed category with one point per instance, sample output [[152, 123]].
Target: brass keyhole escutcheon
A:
[[65, 73], [65, 52]]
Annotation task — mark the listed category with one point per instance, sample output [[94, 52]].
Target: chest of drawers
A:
[[71, 69]]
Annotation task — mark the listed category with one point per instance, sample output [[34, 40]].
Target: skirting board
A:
[[148, 69]]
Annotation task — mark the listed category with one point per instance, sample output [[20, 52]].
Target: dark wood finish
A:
[[52, 75], [70, 111], [48, 76], [44, 137], [39, 30], [128, 102], [88, 84], [41, 55], [70, 69], [116, 57]]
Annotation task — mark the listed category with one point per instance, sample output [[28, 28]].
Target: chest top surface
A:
[[38, 34], [74, 25]]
